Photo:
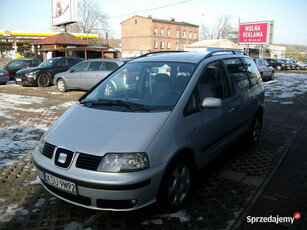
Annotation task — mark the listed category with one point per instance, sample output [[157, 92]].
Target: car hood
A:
[[96, 131], [31, 69]]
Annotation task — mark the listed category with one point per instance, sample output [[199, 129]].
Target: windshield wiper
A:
[[126, 104]]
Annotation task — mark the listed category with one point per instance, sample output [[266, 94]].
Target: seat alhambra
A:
[[141, 142]]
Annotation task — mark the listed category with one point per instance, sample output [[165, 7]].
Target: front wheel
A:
[[61, 85], [43, 80], [175, 185]]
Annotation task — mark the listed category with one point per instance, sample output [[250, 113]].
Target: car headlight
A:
[[41, 143], [31, 74], [123, 162]]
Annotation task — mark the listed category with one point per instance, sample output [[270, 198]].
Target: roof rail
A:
[[160, 52], [224, 51]]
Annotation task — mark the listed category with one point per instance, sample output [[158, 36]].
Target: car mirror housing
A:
[[212, 103]]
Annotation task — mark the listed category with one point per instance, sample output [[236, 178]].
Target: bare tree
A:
[[91, 19], [217, 30]]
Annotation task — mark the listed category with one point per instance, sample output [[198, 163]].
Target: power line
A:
[[156, 8], [297, 35]]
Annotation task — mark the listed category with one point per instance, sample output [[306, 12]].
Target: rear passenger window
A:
[[252, 71], [213, 82], [94, 66], [111, 66], [237, 73]]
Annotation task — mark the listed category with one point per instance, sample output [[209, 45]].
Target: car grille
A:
[[89, 162], [48, 150]]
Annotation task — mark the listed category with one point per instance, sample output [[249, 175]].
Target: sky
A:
[[290, 17]]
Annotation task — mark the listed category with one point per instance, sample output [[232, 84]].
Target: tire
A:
[[109, 90], [254, 133], [272, 76], [175, 185], [43, 80], [61, 85]]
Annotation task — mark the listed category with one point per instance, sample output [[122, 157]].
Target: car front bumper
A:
[[101, 190], [22, 79]]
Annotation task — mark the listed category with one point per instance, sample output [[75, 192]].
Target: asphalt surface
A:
[[268, 179]]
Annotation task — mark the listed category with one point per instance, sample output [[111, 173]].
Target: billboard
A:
[[256, 33], [64, 12]]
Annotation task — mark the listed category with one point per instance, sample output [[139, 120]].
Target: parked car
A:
[[43, 74], [276, 63], [301, 65], [13, 66], [4, 76], [86, 74], [142, 144], [287, 65], [266, 71]]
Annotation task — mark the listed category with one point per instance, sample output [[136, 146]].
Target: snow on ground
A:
[[285, 86], [25, 134]]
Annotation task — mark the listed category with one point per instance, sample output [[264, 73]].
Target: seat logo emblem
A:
[[62, 158]]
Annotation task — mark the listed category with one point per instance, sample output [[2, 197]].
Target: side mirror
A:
[[71, 71], [212, 103]]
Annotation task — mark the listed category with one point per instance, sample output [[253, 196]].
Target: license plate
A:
[[60, 183]]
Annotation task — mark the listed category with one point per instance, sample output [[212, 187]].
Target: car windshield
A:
[[147, 85], [48, 63]]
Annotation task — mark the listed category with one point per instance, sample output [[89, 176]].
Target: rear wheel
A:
[[253, 135], [43, 80], [175, 185], [272, 76]]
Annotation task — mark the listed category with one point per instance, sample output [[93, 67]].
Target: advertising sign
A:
[[64, 12], [254, 33]]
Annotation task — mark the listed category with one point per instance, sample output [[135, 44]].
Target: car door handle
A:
[[231, 109]]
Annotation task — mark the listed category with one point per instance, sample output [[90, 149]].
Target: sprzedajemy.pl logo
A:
[[273, 219]]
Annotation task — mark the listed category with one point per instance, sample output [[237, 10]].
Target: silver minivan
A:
[[142, 143]]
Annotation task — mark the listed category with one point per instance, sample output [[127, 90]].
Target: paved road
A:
[[240, 183]]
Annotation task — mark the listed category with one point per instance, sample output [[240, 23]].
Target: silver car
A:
[[86, 74], [141, 144], [266, 71]]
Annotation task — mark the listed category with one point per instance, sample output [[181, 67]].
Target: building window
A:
[[177, 34], [155, 31], [155, 44], [162, 32], [183, 34], [135, 21], [168, 32], [177, 46], [183, 46], [162, 45], [168, 45], [195, 35], [190, 35]]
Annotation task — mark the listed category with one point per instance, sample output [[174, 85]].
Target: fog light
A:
[[133, 201]]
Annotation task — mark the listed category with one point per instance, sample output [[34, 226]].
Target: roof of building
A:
[[62, 39], [172, 21], [215, 43]]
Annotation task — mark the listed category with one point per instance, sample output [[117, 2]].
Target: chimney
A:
[[149, 16]]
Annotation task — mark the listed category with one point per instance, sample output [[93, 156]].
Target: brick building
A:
[[141, 34]]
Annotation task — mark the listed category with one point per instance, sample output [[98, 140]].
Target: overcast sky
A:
[[290, 16]]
